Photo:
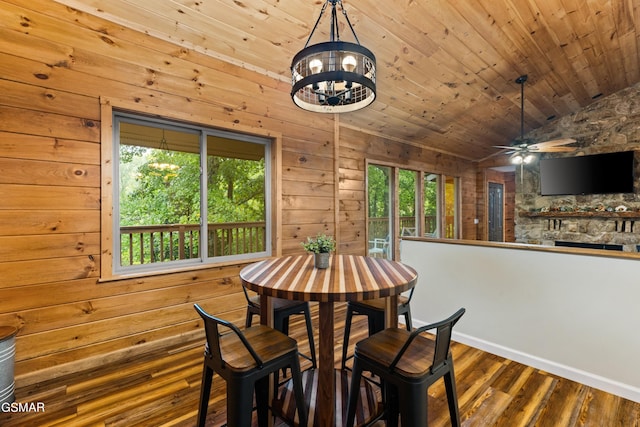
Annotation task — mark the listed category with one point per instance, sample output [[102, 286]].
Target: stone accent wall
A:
[[608, 125]]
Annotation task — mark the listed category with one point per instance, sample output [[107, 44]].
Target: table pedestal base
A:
[[368, 405]]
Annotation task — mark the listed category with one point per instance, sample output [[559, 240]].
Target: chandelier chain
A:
[[324, 7]]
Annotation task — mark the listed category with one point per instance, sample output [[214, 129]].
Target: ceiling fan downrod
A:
[[521, 80]]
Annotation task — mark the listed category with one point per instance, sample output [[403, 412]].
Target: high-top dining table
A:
[[348, 278]]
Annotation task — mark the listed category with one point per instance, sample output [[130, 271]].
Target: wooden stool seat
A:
[[267, 343], [369, 406]]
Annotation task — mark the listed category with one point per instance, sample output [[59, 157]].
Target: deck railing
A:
[[159, 243], [379, 227], [148, 244]]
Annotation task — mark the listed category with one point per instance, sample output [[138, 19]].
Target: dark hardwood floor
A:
[[162, 390]]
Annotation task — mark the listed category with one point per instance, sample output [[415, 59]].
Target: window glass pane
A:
[[159, 194], [431, 204], [450, 210], [235, 197], [187, 194], [407, 202], [379, 211]]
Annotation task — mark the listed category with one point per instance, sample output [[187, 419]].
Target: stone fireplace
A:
[[609, 125]]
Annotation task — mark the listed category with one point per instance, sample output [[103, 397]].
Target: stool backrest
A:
[[443, 328], [410, 296], [247, 297], [212, 326]]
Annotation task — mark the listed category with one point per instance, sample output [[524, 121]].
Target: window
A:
[[450, 207], [187, 195], [379, 211], [403, 202], [407, 199], [431, 198]]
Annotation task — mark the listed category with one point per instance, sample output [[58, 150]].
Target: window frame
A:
[[109, 262], [389, 244], [419, 197]]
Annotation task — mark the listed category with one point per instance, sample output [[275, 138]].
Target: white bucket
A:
[[7, 360]]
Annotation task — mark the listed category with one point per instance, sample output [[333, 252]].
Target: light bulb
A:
[[517, 159], [349, 63], [315, 66], [528, 158]]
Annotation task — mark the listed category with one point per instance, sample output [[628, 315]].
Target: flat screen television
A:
[[595, 174]]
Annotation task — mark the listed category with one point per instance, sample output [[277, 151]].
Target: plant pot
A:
[[321, 260]]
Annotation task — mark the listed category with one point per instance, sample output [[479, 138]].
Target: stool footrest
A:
[[370, 406]]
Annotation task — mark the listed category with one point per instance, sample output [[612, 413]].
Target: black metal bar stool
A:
[[245, 361], [374, 310], [282, 310], [407, 364]]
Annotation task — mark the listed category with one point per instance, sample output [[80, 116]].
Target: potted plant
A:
[[321, 246]]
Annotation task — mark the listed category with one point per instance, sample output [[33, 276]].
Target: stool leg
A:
[[262, 401], [407, 320], [390, 401], [345, 340], [413, 405], [301, 405], [205, 390], [279, 322], [452, 396], [239, 403], [374, 324], [354, 392], [312, 344]]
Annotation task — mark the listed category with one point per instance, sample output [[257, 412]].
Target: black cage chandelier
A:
[[334, 76]]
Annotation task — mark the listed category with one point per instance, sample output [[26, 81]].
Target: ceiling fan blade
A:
[[492, 155], [557, 150], [553, 143], [506, 147]]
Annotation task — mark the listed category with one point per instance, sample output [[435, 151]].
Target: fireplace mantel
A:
[[589, 227], [560, 214]]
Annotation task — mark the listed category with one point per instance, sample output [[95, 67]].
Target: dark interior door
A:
[[496, 214]]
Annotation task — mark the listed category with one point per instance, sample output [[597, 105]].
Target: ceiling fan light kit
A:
[[334, 76], [522, 158]]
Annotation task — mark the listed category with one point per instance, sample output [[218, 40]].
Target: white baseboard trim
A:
[[605, 384], [583, 377]]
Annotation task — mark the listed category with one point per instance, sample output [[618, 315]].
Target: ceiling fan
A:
[[523, 150]]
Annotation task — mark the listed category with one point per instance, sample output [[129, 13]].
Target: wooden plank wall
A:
[[55, 64]]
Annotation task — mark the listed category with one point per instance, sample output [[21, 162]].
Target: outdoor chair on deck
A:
[[379, 248], [282, 310], [375, 311], [408, 232], [407, 364], [245, 361]]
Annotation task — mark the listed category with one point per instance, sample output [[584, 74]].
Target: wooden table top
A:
[[348, 278]]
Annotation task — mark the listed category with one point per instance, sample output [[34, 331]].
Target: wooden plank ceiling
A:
[[446, 69]]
